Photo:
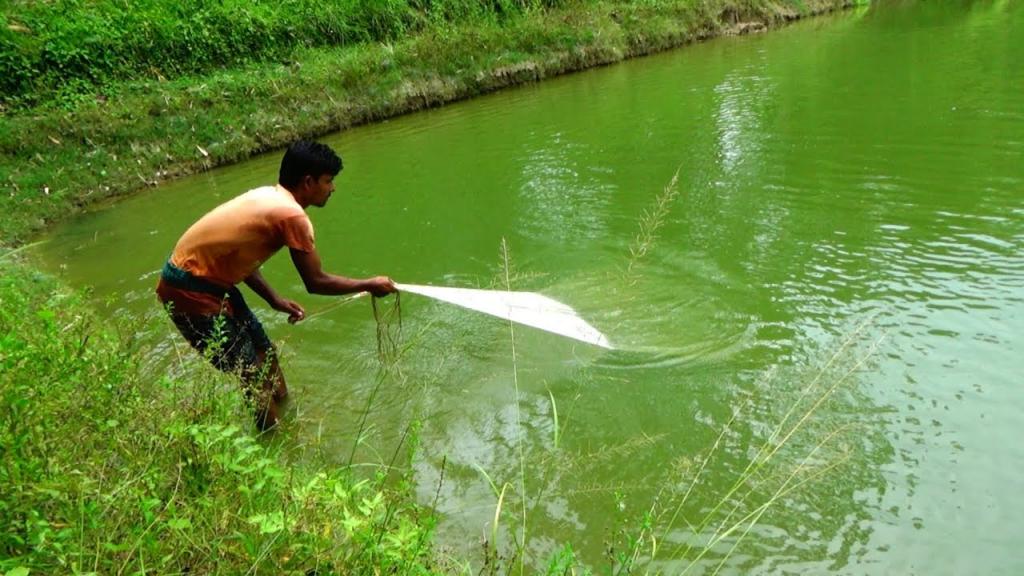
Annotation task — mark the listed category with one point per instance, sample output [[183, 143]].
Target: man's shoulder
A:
[[259, 192], [271, 198]]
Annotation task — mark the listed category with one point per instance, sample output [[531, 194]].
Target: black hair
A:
[[304, 158]]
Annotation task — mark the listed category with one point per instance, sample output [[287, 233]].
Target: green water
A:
[[849, 211]]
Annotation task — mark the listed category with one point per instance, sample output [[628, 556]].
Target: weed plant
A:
[[807, 436], [109, 468], [650, 221], [786, 433]]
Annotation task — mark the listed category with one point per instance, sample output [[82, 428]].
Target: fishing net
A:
[[525, 308], [389, 328]]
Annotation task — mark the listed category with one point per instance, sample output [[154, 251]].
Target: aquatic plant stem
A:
[[14, 251], [764, 508], [519, 422], [362, 418], [757, 462], [754, 515], [650, 221], [497, 515], [554, 415], [821, 399], [700, 471]]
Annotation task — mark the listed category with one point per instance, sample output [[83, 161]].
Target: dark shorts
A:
[[233, 340], [232, 343]]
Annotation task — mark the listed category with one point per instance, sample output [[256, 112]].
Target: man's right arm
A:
[[319, 282]]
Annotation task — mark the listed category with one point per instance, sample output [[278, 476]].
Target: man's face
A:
[[321, 189]]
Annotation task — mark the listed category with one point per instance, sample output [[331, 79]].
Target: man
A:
[[228, 245]]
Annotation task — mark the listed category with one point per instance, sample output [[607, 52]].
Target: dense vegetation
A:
[[108, 465], [66, 49]]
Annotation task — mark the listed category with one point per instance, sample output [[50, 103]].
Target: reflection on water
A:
[[562, 198], [840, 256]]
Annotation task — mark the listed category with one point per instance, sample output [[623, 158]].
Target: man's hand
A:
[[293, 309], [380, 286]]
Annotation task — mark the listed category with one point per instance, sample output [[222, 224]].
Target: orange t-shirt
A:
[[234, 239]]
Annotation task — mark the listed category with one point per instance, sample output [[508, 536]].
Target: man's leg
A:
[[240, 346], [267, 379], [266, 412], [267, 383], [280, 388]]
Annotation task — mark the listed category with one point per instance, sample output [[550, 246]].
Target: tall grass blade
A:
[[519, 422], [494, 487], [554, 416], [765, 453], [497, 516]]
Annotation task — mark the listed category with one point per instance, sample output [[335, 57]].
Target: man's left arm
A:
[[259, 285]]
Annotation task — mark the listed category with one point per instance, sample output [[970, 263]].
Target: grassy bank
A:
[[106, 136], [63, 50]]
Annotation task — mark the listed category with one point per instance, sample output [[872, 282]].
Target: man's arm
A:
[[259, 285], [319, 282]]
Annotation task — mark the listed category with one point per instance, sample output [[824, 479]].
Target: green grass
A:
[[110, 466], [59, 51]]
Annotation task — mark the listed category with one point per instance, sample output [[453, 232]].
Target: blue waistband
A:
[[187, 281]]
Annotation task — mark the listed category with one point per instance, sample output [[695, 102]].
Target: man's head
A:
[[308, 170]]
